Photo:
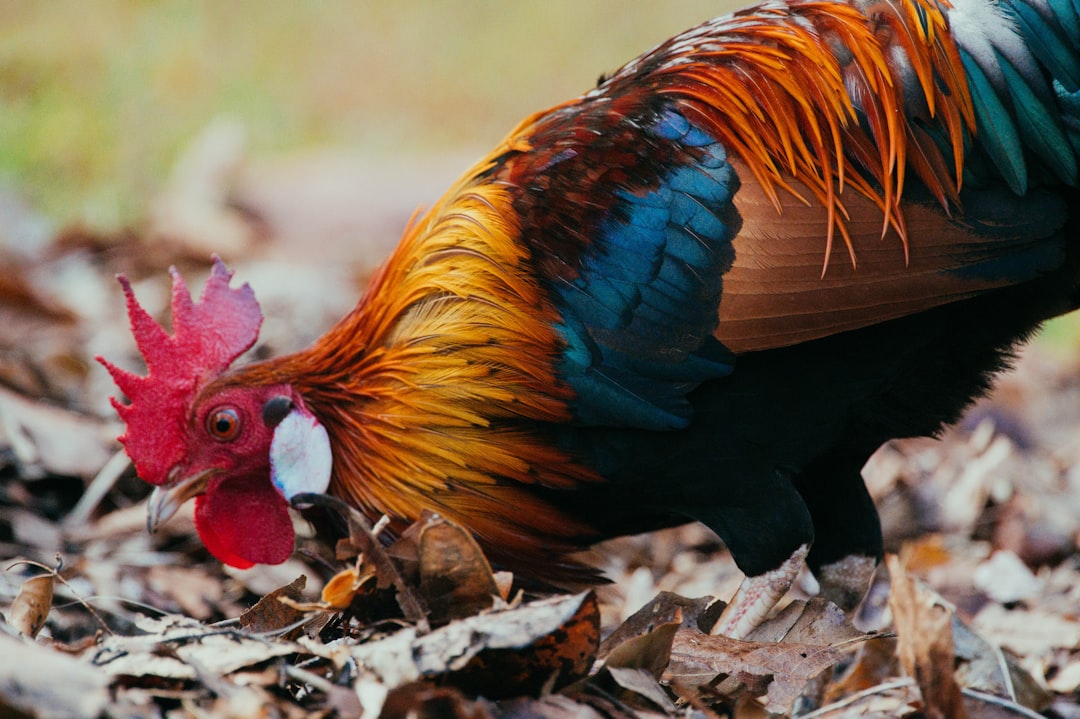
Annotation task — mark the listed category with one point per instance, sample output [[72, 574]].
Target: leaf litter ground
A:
[[101, 619]]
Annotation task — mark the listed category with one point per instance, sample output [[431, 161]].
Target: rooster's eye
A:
[[223, 424]]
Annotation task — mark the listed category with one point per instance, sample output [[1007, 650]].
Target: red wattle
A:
[[243, 521]]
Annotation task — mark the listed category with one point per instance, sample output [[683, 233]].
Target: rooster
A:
[[706, 290]]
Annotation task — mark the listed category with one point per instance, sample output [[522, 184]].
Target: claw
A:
[[757, 596]]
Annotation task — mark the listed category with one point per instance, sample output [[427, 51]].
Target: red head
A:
[[242, 450]]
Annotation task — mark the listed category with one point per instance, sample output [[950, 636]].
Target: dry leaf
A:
[[175, 647], [18, 294], [364, 541], [270, 615], [33, 530], [779, 671], [565, 637], [875, 662], [984, 667], [926, 553], [44, 438], [665, 608], [1027, 631], [422, 699], [925, 644], [650, 651], [1066, 681], [556, 706], [196, 591], [31, 607], [498, 654], [642, 683], [1006, 579], [41, 346], [455, 578], [36, 681], [343, 587], [816, 622]]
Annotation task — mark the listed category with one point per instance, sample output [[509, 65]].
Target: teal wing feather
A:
[[1017, 89], [640, 261]]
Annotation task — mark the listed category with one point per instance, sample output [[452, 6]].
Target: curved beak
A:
[[168, 498]]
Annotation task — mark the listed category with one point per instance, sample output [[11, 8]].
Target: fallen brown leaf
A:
[[1028, 631], [362, 540], [455, 578], [650, 651], [546, 643], [665, 608], [197, 592], [642, 683], [984, 667], [177, 648], [270, 615], [31, 607], [777, 671], [423, 699], [555, 706], [925, 644], [633, 664], [815, 622], [874, 664]]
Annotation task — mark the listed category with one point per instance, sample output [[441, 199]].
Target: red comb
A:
[[207, 336]]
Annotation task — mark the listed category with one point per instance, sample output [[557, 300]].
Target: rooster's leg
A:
[[757, 595], [766, 526], [845, 581], [847, 543]]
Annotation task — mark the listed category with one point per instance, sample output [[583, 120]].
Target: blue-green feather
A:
[[1025, 125], [1045, 40], [638, 317], [995, 129], [1068, 16], [1039, 126]]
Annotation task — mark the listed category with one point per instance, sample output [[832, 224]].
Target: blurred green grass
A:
[[98, 98]]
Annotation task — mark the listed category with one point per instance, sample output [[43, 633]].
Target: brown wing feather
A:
[[775, 294]]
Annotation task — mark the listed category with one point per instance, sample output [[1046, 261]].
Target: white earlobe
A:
[[300, 457]]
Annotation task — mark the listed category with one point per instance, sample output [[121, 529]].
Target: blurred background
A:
[[100, 99]]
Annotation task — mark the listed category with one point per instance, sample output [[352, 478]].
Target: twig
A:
[[98, 488], [994, 699], [305, 677], [1001, 702], [857, 696], [1003, 667], [149, 608], [362, 535]]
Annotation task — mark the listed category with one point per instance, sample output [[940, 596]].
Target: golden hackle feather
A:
[[434, 387]]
